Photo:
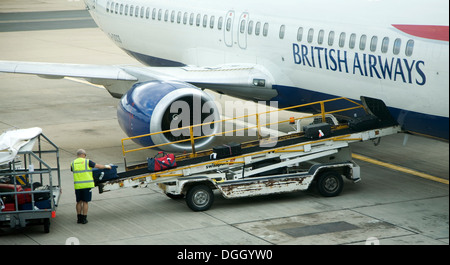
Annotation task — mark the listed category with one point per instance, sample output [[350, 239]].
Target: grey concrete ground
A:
[[392, 206]]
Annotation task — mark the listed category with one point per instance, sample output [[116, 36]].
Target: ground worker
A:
[[83, 183]]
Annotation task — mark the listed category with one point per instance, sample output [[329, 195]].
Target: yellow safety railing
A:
[[225, 161], [258, 125]]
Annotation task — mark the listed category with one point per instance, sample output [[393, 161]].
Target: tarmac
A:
[[396, 203]]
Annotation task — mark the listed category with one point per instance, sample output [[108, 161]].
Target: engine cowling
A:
[[157, 106]]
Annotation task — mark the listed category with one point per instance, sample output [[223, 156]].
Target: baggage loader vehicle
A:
[[317, 152]]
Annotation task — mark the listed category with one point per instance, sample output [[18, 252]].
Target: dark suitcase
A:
[[227, 150], [45, 204], [102, 175], [364, 123], [317, 131], [41, 196]]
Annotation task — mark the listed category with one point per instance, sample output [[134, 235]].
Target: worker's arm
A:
[[100, 166], [92, 164]]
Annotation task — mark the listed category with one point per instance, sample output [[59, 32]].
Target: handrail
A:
[[258, 125]]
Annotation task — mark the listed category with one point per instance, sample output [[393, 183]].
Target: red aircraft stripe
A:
[[425, 31]]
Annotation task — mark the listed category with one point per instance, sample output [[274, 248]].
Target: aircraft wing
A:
[[248, 81], [59, 70]]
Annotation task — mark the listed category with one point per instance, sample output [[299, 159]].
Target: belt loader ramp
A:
[[265, 166]]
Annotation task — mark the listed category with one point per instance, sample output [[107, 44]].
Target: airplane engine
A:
[[157, 106]]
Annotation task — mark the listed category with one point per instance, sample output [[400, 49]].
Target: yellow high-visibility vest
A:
[[82, 174]]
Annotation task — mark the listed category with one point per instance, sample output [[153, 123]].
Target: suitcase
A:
[[161, 163], [21, 197], [101, 175], [38, 196], [363, 123], [9, 207], [45, 204], [227, 150], [317, 131]]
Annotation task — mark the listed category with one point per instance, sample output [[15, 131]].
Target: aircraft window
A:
[[172, 16], [310, 35], [385, 45], [116, 8], [228, 24], [282, 31], [331, 38], [362, 42], [373, 43], [220, 23], [300, 34], [131, 10], [342, 39], [185, 16], [159, 14], [154, 14], [397, 44], [266, 29], [166, 15], [191, 19], [320, 36], [205, 21], [242, 27], [409, 47], [352, 41], [136, 11], [258, 28], [179, 17], [107, 7], [142, 11], [250, 27], [126, 10], [121, 9], [211, 22], [147, 13], [197, 22]]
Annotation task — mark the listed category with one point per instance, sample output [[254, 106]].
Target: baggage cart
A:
[[30, 181]]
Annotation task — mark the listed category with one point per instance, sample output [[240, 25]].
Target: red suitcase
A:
[[21, 198], [161, 163]]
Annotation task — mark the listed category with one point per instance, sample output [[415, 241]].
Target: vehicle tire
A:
[[47, 225], [330, 183], [199, 198]]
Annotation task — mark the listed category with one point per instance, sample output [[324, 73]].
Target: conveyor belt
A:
[[251, 147]]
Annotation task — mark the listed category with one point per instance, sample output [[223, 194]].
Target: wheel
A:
[[47, 225], [199, 198], [330, 183]]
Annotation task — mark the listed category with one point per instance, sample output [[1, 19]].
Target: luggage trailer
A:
[[294, 163], [34, 188]]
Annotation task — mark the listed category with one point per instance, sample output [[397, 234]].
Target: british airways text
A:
[[396, 69]]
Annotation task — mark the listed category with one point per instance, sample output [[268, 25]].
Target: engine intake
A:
[[157, 106]]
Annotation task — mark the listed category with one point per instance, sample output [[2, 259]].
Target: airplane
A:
[[388, 55]]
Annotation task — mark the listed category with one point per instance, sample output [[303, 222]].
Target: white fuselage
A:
[[326, 47]]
